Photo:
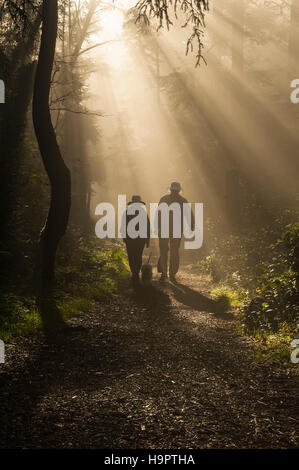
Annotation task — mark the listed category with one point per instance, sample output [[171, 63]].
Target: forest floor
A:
[[151, 368]]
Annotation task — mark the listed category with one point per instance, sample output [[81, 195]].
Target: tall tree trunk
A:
[[57, 171], [13, 123], [19, 78]]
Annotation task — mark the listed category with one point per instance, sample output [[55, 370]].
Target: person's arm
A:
[[192, 225], [192, 220], [159, 217]]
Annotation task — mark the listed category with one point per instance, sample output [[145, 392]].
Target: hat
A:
[[175, 186], [136, 198]]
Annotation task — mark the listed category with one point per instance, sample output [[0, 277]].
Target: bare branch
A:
[[75, 111]]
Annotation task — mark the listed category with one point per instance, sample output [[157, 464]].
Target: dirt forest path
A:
[[157, 368]]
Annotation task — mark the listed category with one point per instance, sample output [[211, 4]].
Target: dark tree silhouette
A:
[[18, 68], [57, 171]]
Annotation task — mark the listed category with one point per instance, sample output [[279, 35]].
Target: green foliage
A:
[[87, 272], [19, 316], [233, 298], [275, 301], [89, 269], [259, 280]]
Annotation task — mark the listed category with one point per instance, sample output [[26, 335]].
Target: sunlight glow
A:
[[112, 23], [161, 127]]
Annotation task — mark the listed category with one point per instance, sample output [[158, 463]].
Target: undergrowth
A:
[[86, 272], [262, 290]]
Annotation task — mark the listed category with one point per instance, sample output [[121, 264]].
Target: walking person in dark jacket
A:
[[135, 246], [171, 244]]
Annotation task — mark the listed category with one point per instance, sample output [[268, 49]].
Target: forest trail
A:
[[158, 368]]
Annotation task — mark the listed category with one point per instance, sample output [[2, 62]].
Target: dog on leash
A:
[[147, 272]]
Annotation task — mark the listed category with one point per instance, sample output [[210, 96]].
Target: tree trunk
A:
[[19, 78], [57, 171]]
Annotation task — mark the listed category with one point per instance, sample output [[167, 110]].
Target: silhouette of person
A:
[[171, 244], [135, 246]]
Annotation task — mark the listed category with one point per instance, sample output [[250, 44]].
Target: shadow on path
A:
[[89, 390], [194, 299], [152, 297]]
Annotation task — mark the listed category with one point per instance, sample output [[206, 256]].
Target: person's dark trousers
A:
[[173, 246], [135, 249]]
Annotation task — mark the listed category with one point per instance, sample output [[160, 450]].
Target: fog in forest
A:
[[222, 129], [146, 342]]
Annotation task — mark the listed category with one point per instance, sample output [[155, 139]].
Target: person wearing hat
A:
[[135, 246], [171, 244]]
